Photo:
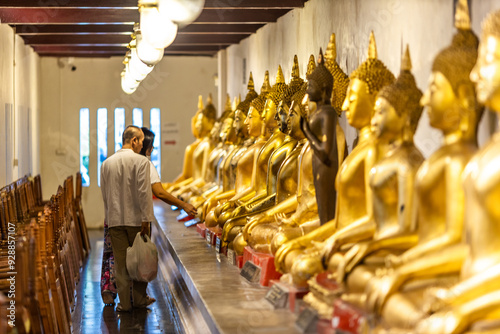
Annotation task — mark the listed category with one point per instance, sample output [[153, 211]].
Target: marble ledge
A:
[[227, 302]]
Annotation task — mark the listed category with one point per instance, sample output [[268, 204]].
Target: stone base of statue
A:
[[293, 294], [201, 229], [348, 318], [211, 235], [265, 262]]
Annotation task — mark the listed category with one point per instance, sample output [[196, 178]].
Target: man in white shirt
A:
[[128, 205]]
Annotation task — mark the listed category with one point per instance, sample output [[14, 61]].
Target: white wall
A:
[[19, 108], [173, 86], [427, 25]]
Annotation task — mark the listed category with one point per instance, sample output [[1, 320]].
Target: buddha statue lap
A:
[[353, 204]]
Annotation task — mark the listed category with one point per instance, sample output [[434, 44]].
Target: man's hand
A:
[[190, 209], [144, 228]]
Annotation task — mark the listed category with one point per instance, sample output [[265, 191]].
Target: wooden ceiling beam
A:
[[51, 48], [94, 16], [33, 29], [108, 55], [124, 39], [229, 4]]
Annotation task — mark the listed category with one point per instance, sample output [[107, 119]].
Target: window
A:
[[84, 146], [137, 117], [154, 120], [102, 140], [119, 127]]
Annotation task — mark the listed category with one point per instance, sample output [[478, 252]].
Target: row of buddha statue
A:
[[413, 240]]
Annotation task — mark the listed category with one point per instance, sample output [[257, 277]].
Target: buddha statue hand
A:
[[378, 291], [285, 250], [352, 258], [252, 221], [448, 322], [435, 299], [331, 246], [393, 261], [284, 221]]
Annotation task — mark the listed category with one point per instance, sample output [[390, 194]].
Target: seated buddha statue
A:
[[353, 204], [305, 218], [452, 108], [256, 232], [392, 179], [245, 165], [205, 121], [226, 138], [259, 173], [187, 166], [474, 300], [268, 197]]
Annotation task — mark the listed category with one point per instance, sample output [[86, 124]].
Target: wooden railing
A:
[[42, 248]]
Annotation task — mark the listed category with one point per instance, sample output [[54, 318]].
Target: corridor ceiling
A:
[[102, 28]]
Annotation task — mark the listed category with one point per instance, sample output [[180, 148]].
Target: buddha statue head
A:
[[227, 132], [284, 105], [309, 106], [274, 97], [296, 111], [194, 126], [205, 119], [320, 83], [397, 108], [486, 72], [254, 108], [239, 123], [340, 79], [450, 98], [366, 82]]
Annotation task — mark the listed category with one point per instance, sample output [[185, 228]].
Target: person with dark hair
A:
[[108, 284], [128, 206], [158, 191]]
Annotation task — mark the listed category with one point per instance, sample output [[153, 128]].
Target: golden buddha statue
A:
[[256, 232], [353, 204], [475, 298], [440, 197], [304, 201], [266, 198], [305, 218], [187, 166], [392, 178], [275, 139], [204, 123], [245, 164]]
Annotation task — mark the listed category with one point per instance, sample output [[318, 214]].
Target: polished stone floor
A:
[[90, 316]]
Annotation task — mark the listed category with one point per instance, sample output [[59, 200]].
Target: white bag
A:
[[142, 259]]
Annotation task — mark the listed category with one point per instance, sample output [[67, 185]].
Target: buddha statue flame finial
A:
[[228, 103], [280, 78], [331, 49], [462, 15], [266, 85], [406, 60], [250, 85], [209, 99], [372, 47], [235, 103], [295, 68], [200, 102], [311, 65]]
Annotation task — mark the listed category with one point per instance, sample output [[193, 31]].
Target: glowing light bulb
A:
[[147, 53], [138, 70], [158, 31], [181, 11]]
